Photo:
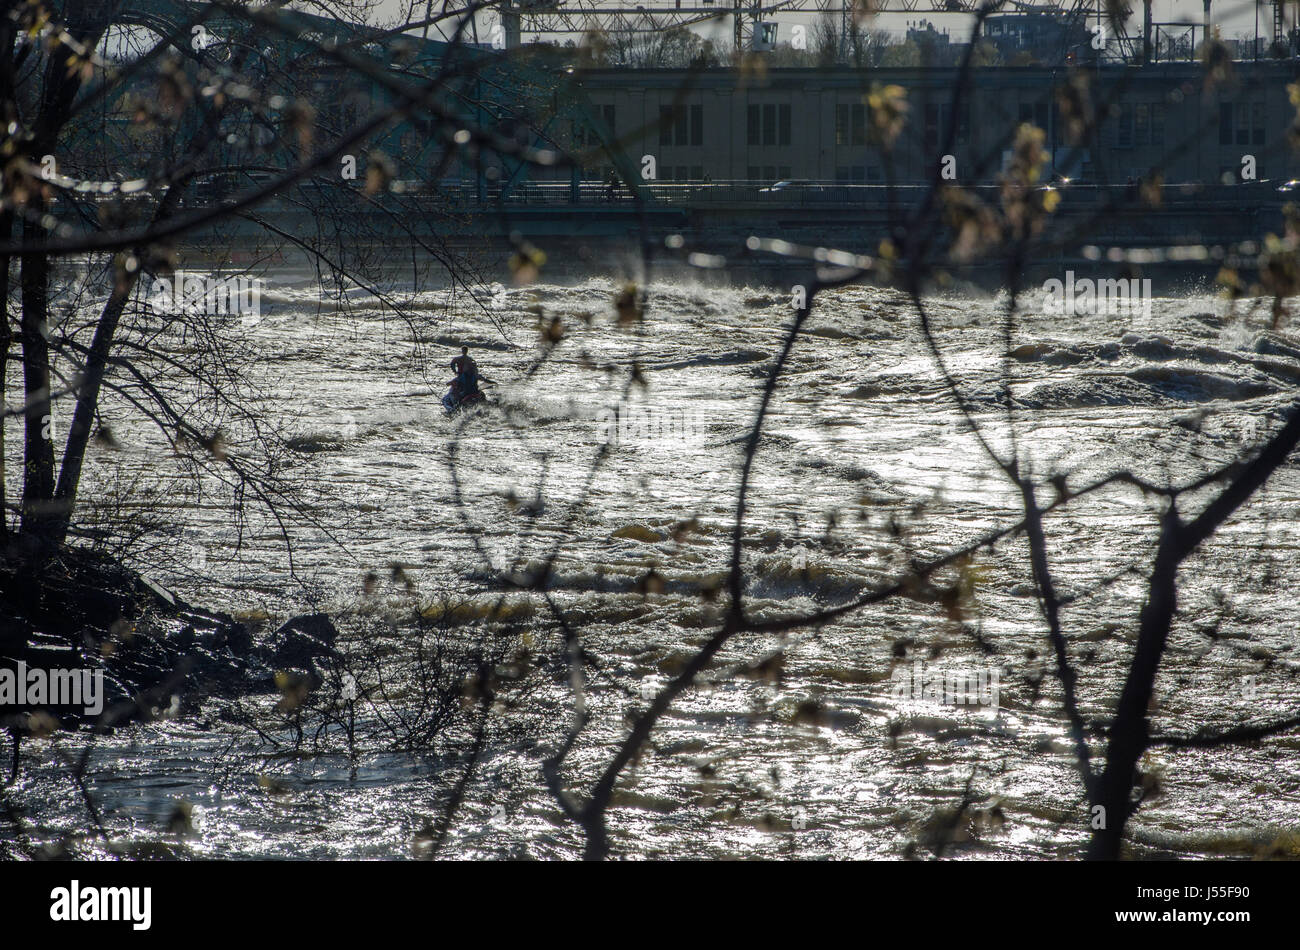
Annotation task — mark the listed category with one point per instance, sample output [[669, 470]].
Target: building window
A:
[[681, 127], [1225, 123], [859, 121], [842, 127], [1124, 132], [751, 173], [768, 125], [1257, 123]]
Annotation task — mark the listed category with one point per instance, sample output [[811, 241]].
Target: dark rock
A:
[[298, 649], [80, 609], [303, 639]]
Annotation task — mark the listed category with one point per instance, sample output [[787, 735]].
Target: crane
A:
[[551, 17], [554, 17]]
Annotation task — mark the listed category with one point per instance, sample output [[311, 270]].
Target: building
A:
[[814, 124], [1048, 39], [935, 47]]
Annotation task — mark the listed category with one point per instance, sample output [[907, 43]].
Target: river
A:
[[865, 455]]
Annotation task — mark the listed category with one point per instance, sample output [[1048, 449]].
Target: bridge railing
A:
[[827, 194], [596, 195]]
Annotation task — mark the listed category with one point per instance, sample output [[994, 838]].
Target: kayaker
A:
[[466, 370]]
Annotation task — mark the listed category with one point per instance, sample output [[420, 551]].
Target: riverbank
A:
[[87, 641]]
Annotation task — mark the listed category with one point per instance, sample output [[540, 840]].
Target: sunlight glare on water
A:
[[862, 435]]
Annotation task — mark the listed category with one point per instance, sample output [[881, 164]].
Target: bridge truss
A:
[[556, 17]]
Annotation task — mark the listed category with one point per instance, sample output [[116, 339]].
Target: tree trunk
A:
[[38, 461], [89, 384], [62, 82]]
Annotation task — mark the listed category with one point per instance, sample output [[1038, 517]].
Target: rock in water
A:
[[300, 643]]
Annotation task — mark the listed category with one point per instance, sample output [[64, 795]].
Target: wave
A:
[[1167, 372], [733, 358], [1148, 386]]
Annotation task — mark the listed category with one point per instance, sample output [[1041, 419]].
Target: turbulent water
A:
[[866, 462]]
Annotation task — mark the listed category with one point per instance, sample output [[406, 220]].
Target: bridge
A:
[[544, 99]]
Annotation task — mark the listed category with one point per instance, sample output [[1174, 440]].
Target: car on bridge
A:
[[791, 184]]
